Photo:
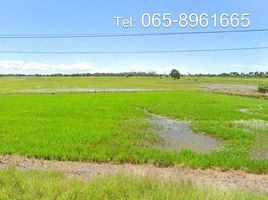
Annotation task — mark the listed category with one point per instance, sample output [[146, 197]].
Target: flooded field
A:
[[178, 135]]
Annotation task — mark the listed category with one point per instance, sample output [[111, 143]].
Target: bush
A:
[[263, 87]]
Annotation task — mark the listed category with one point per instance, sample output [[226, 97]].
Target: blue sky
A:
[[82, 16]]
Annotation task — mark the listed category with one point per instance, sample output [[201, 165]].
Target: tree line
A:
[[174, 74], [236, 74], [126, 74]]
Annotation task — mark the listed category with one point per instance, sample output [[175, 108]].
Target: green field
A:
[[27, 185], [38, 84], [34, 84], [104, 127]]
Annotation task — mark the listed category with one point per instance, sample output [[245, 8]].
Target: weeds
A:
[[33, 184]]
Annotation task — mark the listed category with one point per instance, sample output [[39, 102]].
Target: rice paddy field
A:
[[76, 84], [82, 119]]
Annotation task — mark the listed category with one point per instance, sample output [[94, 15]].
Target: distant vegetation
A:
[[147, 74], [236, 74], [126, 74], [263, 87]]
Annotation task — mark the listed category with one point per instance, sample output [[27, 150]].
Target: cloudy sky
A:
[[93, 17]]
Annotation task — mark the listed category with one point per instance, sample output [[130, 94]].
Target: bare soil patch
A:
[[238, 92]]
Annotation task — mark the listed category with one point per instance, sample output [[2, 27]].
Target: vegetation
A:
[[30, 184], [112, 127], [260, 130], [263, 87], [123, 74], [235, 75], [51, 84], [72, 84], [107, 127], [145, 74], [175, 74]]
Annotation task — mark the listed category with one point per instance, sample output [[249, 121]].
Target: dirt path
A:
[[230, 179]]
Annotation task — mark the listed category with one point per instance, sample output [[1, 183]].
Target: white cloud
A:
[[141, 68], [21, 67]]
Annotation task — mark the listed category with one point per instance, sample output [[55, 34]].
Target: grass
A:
[[39, 84], [263, 87], [112, 127], [259, 129], [33, 184], [56, 84]]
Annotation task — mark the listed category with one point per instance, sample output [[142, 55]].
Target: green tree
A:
[[175, 74]]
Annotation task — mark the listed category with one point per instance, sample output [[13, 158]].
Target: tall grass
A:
[[32, 184]]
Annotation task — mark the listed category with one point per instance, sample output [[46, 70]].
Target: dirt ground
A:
[[237, 92], [230, 179]]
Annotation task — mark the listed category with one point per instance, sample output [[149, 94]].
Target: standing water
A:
[[178, 135]]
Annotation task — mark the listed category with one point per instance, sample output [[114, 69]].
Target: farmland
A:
[[72, 84], [106, 127], [48, 118]]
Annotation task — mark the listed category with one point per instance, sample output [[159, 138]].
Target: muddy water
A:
[[178, 135], [227, 86]]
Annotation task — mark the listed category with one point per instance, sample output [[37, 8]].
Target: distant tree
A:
[[234, 74], [175, 74]]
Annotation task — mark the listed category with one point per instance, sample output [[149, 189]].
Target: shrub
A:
[[263, 87]]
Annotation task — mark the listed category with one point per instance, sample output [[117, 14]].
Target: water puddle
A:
[[178, 135], [227, 86]]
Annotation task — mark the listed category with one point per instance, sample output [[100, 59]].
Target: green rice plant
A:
[[111, 127]]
